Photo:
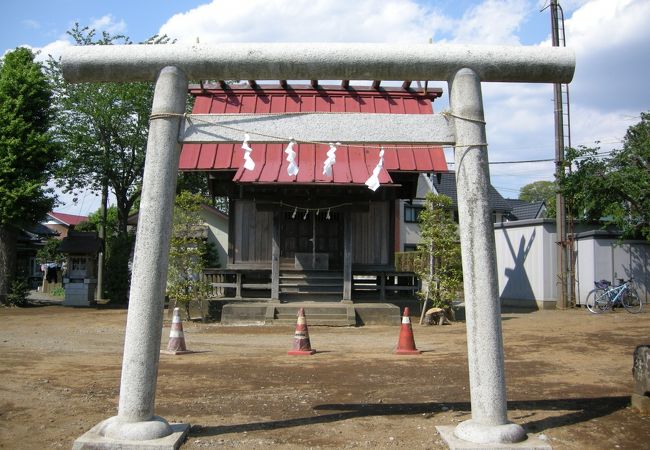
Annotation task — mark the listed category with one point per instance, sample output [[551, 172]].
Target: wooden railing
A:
[[231, 283], [237, 284]]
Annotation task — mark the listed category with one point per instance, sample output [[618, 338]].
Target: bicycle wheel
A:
[[631, 301], [598, 301]]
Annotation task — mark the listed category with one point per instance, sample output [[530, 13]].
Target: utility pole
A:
[[561, 128], [99, 295]]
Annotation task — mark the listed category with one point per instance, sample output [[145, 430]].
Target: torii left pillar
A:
[[135, 421]]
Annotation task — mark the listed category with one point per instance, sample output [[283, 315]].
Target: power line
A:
[[529, 161]]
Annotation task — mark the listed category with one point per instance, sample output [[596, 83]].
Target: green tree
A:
[[95, 221], [614, 189], [185, 281], [104, 128], [443, 277], [27, 153], [50, 252], [540, 191]]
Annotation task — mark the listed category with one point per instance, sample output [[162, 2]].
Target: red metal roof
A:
[[67, 219], [354, 164]]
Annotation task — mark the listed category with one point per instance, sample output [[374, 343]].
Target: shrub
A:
[[18, 294]]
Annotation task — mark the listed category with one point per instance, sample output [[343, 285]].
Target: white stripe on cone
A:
[[176, 337]]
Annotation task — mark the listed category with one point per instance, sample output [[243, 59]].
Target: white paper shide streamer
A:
[[373, 181], [292, 168], [249, 164], [331, 159]]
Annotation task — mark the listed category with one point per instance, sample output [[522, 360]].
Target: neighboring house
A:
[[445, 184], [523, 210], [311, 233], [216, 230], [61, 222], [29, 242]]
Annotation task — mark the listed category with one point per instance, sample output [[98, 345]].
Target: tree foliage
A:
[[185, 281], [443, 278], [27, 154], [540, 191], [614, 189], [95, 221], [50, 252], [104, 128]]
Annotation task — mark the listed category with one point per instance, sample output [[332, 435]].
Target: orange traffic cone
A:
[[301, 344], [176, 344], [406, 343]]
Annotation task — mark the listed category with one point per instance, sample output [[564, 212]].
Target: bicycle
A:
[[606, 296]]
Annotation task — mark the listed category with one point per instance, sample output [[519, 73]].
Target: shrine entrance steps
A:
[[317, 313], [313, 285]]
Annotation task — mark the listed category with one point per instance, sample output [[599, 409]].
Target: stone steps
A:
[[311, 285]]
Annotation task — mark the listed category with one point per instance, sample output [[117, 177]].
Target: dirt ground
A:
[[568, 376]]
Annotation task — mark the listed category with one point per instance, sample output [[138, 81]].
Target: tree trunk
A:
[[8, 237]]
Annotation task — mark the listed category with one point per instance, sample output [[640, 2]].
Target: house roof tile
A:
[[445, 183]]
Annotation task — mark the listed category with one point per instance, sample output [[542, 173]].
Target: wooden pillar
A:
[[347, 256], [231, 232], [275, 258], [238, 288]]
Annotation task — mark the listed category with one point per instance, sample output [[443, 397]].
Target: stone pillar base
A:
[[472, 431], [112, 434], [455, 443], [641, 403]]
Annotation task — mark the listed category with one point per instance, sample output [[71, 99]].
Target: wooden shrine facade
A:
[[325, 235]]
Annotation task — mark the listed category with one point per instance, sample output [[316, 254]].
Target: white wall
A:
[[526, 263], [217, 234], [601, 256]]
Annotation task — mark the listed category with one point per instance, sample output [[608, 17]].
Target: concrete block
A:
[[242, 313], [377, 314]]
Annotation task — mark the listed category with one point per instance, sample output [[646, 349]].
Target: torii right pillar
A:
[[489, 423]]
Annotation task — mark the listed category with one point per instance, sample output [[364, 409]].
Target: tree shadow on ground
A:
[[569, 412]]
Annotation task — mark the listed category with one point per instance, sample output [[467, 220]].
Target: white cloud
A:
[[306, 21], [611, 39], [53, 49], [108, 23], [492, 22]]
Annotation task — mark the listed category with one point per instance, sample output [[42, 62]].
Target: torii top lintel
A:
[[304, 61]]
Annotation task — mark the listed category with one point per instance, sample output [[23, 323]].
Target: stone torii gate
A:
[[171, 66]]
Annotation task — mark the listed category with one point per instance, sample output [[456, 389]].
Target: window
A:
[[410, 247], [78, 264], [412, 213]]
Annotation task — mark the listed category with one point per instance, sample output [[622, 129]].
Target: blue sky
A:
[[610, 38]]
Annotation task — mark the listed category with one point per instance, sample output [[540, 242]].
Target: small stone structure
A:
[[80, 279], [641, 372], [436, 316]]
